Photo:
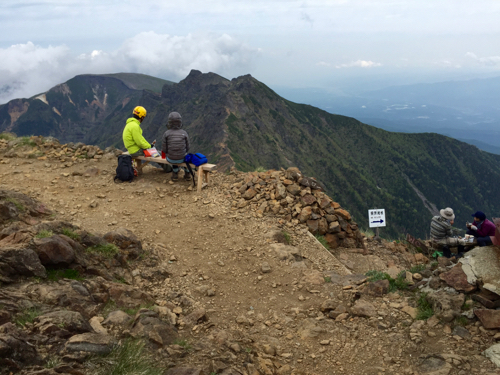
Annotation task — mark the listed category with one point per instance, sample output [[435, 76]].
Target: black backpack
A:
[[124, 170]]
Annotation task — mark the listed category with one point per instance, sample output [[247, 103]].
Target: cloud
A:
[[487, 61], [359, 64], [322, 63], [28, 69]]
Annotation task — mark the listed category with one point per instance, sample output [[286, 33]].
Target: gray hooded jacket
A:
[[175, 140]]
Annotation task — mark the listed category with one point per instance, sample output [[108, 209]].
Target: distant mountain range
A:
[[468, 110], [243, 123]]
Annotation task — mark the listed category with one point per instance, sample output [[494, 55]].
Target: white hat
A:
[[447, 213]]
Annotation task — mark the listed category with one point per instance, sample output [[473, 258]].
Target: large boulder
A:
[[15, 352], [16, 262], [457, 279], [93, 343], [54, 250], [147, 324], [124, 239], [71, 321]]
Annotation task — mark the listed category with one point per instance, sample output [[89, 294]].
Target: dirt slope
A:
[[264, 302]]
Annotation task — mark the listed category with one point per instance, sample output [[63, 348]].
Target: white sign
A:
[[376, 217]]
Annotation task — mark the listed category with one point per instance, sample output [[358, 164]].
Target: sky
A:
[[329, 44]]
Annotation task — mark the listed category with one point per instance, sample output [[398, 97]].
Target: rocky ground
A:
[[226, 282]]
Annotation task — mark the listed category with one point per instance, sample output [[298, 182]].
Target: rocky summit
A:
[[261, 273]]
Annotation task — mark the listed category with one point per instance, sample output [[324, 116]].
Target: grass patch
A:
[[16, 203], [27, 141], [120, 280], [425, 310], [322, 240], [7, 136], [54, 275], [27, 316], [368, 233], [183, 343], [129, 358], [135, 310], [260, 169], [109, 250], [399, 283], [328, 279], [108, 307], [44, 234], [282, 237], [71, 234], [52, 361], [417, 269], [461, 321]]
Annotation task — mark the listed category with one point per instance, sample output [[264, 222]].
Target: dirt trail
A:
[[269, 307]]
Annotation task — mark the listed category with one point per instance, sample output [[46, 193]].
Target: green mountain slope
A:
[[245, 124]]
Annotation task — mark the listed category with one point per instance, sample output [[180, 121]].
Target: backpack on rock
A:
[[124, 170]]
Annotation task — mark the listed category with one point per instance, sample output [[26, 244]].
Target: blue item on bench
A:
[[196, 159]]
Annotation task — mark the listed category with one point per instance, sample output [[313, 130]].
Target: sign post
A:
[[376, 219]]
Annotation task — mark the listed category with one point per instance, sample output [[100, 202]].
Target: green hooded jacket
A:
[[132, 136]]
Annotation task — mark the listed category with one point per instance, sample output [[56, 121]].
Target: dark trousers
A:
[[481, 241]]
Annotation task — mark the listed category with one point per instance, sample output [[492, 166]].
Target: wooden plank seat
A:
[[202, 173]]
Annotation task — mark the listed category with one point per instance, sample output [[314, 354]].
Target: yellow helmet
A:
[[140, 112]]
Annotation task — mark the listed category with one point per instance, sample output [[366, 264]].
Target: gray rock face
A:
[[148, 325], [69, 320], [15, 262], [493, 353], [14, 350], [93, 343], [54, 251], [117, 318]]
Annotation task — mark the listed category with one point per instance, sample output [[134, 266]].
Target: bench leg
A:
[[206, 173], [200, 179], [138, 163]]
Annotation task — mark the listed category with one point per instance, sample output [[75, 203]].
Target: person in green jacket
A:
[[134, 142]]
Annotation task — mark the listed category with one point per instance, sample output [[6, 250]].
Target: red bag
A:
[[151, 153]]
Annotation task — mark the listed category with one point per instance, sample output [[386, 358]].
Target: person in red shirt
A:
[[482, 229]]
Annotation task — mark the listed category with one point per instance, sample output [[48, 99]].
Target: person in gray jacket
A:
[[175, 145]]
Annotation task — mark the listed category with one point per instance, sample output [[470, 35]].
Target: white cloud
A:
[[322, 63], [28, 69], [359, 64], [487, 61]]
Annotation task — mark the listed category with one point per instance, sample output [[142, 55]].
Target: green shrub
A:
[[425, 310], [109, 250], [71, 234], [27, 316], [260, 169], [399, 283], [44, 234], [129, 358]]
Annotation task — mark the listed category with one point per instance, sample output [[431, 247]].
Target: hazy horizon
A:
[[340, 45]]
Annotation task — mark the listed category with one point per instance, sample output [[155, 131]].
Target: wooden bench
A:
[[203, 170]]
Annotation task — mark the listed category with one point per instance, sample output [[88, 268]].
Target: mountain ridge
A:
[[243, 123]]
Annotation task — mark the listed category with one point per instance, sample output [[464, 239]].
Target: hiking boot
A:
[[175, 176], [187, 177]]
